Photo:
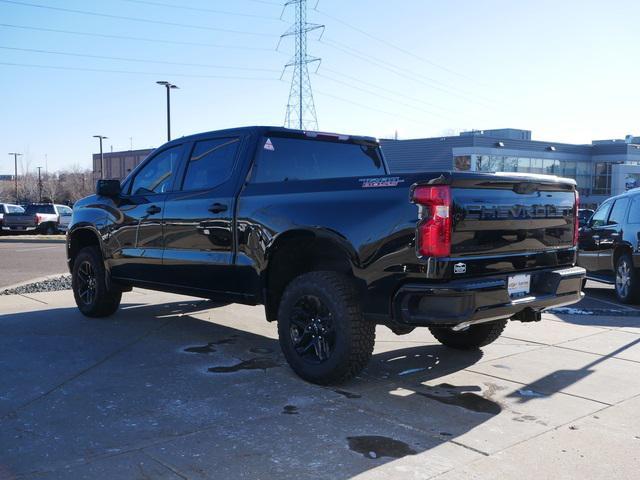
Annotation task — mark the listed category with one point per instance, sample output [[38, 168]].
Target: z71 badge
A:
[[381, 182]]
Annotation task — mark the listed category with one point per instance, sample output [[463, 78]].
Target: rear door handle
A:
[[218, 208], [153, 209]]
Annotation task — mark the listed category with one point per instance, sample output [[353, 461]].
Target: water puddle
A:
[[458, 397], [261, 350], [204, 349], [252, 364], [373, 446], [348, 394]]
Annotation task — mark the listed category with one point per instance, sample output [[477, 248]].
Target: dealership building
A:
[[601, 169]]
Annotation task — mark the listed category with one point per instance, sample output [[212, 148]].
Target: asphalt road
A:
[[23, 261]]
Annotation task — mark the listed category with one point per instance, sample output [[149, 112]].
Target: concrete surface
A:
[[133, 396], [24, 260]]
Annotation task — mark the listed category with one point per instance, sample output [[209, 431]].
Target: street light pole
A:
[[15, 177], [101, 138], [39, 185], [168, 86]]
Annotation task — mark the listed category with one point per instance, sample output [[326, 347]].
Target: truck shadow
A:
[[199, 396]]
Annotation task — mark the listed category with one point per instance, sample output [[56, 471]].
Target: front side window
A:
[[211, 163], [600, 217], [618, 211], [284, 158], [157, 175]]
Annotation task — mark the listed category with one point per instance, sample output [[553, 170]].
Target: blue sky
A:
[[566, 70]]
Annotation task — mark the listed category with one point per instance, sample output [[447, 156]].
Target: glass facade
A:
[[578, 170], [602, 179]]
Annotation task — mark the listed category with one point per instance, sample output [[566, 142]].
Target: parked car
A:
[[46, 218], [609, 246], [584, 215], [8, 208], [313, 227]]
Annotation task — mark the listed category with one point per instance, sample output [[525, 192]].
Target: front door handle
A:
[[153, 209], [218, 208]]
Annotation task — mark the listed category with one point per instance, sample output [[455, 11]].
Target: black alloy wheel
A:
[[87, 283], [311, 329]]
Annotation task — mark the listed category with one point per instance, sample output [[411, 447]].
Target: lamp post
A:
[[39, 185], [101, 138], [169, 86], [15, 177]]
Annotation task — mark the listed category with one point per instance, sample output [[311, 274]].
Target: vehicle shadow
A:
[[169, 382]]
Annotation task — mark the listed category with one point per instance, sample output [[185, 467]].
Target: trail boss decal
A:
[[381, 182]]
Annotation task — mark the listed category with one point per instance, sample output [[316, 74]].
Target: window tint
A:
[[156, 176], [211, 163], [298, 159], [634, 211], [33, 209], [600, 217], [618, 211]]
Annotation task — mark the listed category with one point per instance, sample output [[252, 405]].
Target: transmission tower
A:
[[301, 109]]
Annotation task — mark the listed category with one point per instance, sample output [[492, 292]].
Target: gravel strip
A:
[[50, 285]]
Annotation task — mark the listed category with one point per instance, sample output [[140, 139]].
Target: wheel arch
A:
[[618, 252], [301, 251], [79, 238]]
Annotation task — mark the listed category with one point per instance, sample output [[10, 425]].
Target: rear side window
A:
[[211, 163], [634, 211], [281, 159], [600, 217], [618, 211], [156, 175], [33, 209]]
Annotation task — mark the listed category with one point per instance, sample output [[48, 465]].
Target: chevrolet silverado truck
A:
[[315, 228]]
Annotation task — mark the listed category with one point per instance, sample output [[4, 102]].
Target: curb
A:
[[33, 280], [32, 239]]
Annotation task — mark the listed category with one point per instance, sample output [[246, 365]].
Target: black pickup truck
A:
[[314, 227]]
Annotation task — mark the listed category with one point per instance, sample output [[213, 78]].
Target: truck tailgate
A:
[[509, 217]]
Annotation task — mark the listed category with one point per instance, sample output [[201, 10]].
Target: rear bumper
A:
[[449, 304], [21, 228]]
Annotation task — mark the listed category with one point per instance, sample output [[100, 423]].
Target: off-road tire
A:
[[105, 301], [354, 336], [472, 338], [630, 294]]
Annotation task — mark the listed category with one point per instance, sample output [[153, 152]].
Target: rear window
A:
[[14, 209], [281, 159], [33, 209]]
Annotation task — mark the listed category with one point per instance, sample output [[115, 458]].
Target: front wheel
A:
[[88, 280], [471, 338], [627, 282], [322, 332]]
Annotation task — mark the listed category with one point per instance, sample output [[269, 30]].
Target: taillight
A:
[[38, 219], [434, 230], [576, 220]]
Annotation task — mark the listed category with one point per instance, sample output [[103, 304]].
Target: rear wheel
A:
[[322, 332], [471, 338], [93, 297], [49, 229], [627, 282]]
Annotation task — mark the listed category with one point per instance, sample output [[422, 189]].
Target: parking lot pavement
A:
[[172, 387], [24, 260]]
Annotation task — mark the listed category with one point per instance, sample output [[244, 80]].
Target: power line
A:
[[396, 47], [200, 9], [401, 72], [135, 19], [127, 37], [368, 107], [137, 60], [130, 72], [377, 95]]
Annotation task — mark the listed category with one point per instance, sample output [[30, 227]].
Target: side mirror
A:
[[108, 188]]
